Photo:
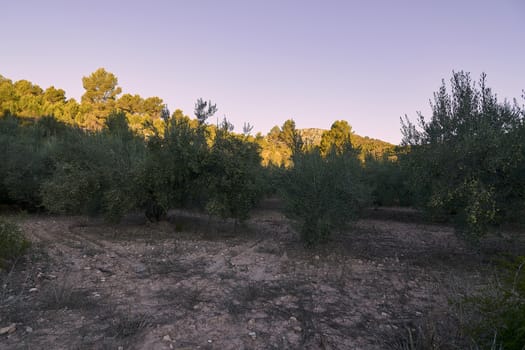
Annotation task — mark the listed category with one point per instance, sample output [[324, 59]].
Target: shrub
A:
[[324, 194], [12, 242], [497, 316], [466, 163], [234, 176], [387, 180], [26, 160], [173, 168], [97, 173]]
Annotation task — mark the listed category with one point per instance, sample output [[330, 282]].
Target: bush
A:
[[26, 159], [466, 163], [172, 173], [324, 194], [497, 316], [97, 173], [234, 176], [12, 242], [387, 181]]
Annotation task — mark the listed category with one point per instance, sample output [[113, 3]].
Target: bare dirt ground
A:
[[188, 283]]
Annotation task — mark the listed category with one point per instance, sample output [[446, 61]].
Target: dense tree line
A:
[[113, 153], [48, 165]]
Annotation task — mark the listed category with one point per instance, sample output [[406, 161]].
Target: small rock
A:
[[293, 319], [87, 268], [167, 338], [253, 335], [120, 348], [140, 268], [29, 330], [209, 340], [33, 290], [297, 329], [316, 257], [9, 329], [251, 321], [384, 314]]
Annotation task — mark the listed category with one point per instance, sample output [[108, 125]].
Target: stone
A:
[[253, 335], [167, 338], [140, 268], [9, 329]]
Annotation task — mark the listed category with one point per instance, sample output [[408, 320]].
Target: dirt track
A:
[[190, 284]]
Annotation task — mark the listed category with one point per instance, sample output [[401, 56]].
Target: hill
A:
[[312, 136]]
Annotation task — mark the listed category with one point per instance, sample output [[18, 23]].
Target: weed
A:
[[63, 295], [12, 242], [127, 325], [496, 316]]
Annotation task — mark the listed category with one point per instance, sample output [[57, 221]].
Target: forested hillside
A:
[[144, 116]]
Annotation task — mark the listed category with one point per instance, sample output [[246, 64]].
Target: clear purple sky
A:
[[368, 62]]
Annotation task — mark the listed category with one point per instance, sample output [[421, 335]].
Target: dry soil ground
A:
[[189, 283]]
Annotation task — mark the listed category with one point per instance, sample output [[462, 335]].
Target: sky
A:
[[262, 62]]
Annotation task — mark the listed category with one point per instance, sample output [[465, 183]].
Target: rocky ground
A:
[[192, 283]]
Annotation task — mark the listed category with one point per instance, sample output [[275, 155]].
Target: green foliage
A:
[[99, 98], [12, 242], [279, 146], [233, 172], [204, 110], [467, 162], [96, 173], [172, 176], [336, 139], [387, 180], [324, 194], [25, 155], [497, 316]]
